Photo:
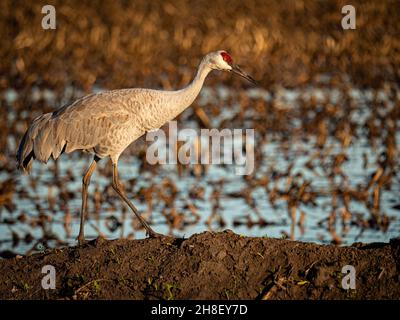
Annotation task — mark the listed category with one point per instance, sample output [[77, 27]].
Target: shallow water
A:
[[276, 153]]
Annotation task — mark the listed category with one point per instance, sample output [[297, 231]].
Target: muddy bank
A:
[[205, 266]]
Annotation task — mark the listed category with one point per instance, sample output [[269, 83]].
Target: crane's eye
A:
[[227, 58]]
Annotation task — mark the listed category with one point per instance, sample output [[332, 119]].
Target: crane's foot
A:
[[81, 240], [154, 234]]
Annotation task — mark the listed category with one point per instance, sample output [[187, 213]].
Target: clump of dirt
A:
[[205, 266]]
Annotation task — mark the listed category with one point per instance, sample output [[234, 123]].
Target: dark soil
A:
[[206, 266]]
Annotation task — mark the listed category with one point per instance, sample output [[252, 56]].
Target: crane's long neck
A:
[[184, 98]]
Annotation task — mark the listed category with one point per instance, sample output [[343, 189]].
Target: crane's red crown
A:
[[226, 56]]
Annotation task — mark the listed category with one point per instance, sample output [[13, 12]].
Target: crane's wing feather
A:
[[91, 119], [101, 122]]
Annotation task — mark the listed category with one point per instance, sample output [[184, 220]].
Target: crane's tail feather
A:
[[39, 142], [25, 154]]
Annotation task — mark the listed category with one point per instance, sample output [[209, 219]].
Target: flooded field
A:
[[322, 175], [326, 119]]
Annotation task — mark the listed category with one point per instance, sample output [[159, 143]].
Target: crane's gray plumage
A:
[[105, 123]]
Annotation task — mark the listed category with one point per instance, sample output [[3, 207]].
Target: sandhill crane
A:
[[105, 123]]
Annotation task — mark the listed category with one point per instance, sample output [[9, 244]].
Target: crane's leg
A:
[[85, 185], [117, 187]]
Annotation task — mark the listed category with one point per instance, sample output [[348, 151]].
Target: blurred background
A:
[[326, 117]]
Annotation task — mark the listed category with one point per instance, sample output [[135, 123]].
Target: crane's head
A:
[[222, 60]]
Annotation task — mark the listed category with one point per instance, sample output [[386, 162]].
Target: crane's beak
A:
[[240, 72]]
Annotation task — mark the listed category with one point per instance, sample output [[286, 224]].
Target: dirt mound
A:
[[205, 266]]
